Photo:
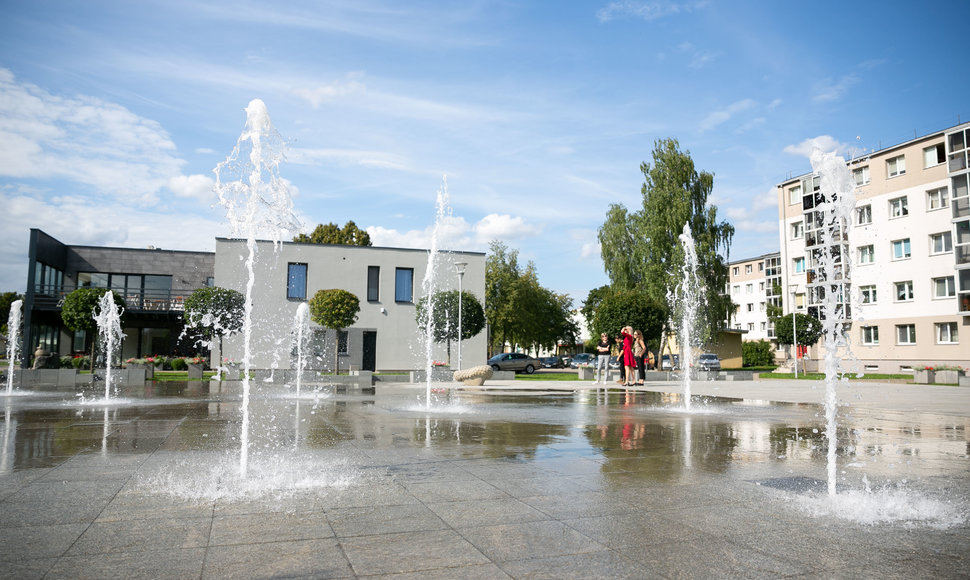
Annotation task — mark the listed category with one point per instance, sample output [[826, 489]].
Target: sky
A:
[[535, 116]]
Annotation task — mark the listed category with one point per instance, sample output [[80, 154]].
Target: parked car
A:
[[709, 362], [583, 358], [665, 364], [614, 362], [515, 361], [552, 362]]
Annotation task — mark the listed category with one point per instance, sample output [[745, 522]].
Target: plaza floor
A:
[[520, 479]]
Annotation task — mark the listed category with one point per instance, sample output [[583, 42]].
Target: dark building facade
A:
[[154, 284]]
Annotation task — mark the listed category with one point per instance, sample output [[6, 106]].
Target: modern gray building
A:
[[387, 281], [153, 282]]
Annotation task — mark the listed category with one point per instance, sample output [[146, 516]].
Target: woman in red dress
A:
[[628, 362]]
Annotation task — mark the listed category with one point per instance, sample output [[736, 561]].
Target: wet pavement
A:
[[521, 479]]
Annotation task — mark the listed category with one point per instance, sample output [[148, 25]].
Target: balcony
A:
[[152, 301]]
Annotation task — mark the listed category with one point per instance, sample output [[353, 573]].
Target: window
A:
[[860, 175], [798, 265], [736, 290], [735, 271], [867, 294], [794, 195], [870, 335], [761, 286], [946, 333], [404, 284], [761, 307], [863, 215], [797, 230], [936, 199], [905, 334], [941, 243], [901, 249], [749, 288], [867, 254], [904, 291], [373, 283], [761, 266], [944, 287], [934, 155], [747, 268], [800, 301], [342, 342], [296, 281], [750, 306], [896, 166], [750, 327], [764, 326], [898, 207]]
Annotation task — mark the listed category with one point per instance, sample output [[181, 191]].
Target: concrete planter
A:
[[195, 371], [149, 369], [925, 377], [586, 373], [948, 377]]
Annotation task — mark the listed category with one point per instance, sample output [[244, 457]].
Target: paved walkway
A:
[[524, 480]]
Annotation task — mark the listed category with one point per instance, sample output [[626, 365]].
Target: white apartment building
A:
[[907, 292], [750, 286]]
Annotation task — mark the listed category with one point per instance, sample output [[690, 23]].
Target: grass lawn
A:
[[850, 376]]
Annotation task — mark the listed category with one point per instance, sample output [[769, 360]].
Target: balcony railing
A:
[[46, 297]]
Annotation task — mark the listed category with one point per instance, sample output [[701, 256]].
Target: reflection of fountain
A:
[[254, 204], [686, 303], [108, 319], [13, 338]]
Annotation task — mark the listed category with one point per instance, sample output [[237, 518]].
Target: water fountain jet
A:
[[13, 341]]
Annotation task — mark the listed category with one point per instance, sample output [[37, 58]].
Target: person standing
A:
[[603, 358], [639, 352], [628, 362]]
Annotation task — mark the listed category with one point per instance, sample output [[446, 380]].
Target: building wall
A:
[[749, 291], [922, 267], [400, 343]]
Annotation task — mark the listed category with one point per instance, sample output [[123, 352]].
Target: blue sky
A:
[[113, 115]]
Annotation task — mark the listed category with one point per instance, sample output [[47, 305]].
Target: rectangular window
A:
[[373, 283], [343, 342], [863, 215], [749, 288], [736, 289], [934, 155], [944, 287], [296, 281], [735, 271], [761, 286], [867, 254], [936, 199], [794, 195], [404, 285], [750, 327], [860, 175], [941, 243], [870, 335], [896, 166], [798, 265], [867, 294], [904, 291], [747, 268], [797, 230], [946, 333], [901, 249], [800, 301], [761, 266], [905, 334], [750, 306], [898, 207]]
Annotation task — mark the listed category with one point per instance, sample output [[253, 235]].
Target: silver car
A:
[[515, 361], [709, 362]]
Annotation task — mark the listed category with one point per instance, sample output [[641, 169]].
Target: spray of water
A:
[[108, 318], [257, 202], [13, 341], [686, 304], [429, 283], [301, 339], [831, 275]]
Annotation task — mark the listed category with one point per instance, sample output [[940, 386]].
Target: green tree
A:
[[643, 250], [214, 312], [349, 235], [79, 309], [592, 302], [632, 308], [6, 301], [444, 321], [336, 309], [809, 329], [501, 274], [757, 353]]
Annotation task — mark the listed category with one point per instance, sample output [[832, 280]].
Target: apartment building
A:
[[751, 285], [906, 290]]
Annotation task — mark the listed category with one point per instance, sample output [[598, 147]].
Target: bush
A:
[[178, 364], [757, 353], [81, 362], [67, 362]]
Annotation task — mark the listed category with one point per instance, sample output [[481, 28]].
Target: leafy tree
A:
[[809, 329], [632, 308], [336, 309], [6, 301], [80, 307], [592, 302], [501, 273], [444, 321], [643, 251], [213, 311], [349, 235], [757, 353]]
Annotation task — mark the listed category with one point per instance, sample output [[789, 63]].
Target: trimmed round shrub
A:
[[178, 364]]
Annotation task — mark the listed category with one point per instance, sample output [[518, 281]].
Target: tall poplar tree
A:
[[642, 250]]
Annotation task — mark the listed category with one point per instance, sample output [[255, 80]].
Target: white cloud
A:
[[194, 186], [719, 117], [829, 90], [456, 233], [349, 157], [504, 227], [646, 10], [825, 143], [330, 92]]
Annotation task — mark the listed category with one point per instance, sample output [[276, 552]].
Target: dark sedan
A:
[[552, 362]]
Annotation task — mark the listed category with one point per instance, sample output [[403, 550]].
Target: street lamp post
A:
[[460, 268], [794, 333]]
